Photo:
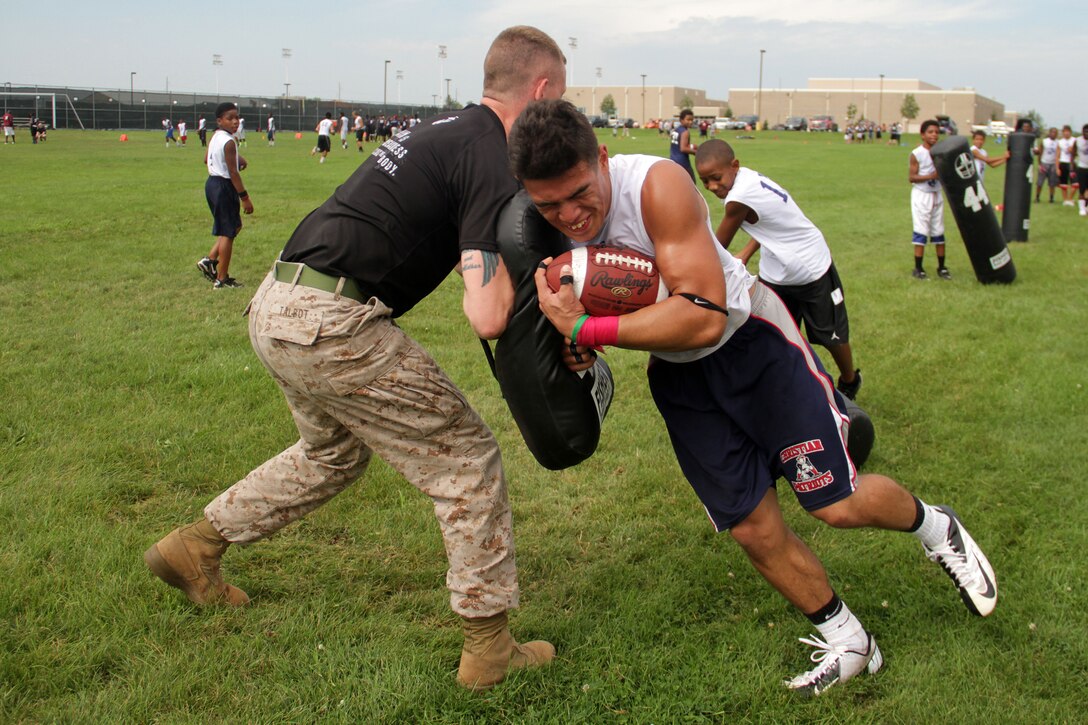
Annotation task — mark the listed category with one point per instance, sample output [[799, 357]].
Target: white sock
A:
[[934, 528], [843, 629]]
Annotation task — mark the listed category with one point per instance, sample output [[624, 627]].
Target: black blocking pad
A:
[[559, 412]]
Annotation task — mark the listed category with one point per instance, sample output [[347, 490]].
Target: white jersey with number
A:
[[625, 227], [217, 159], [1065, 150], [1050, 151], [324, 128], [926, 167], [1081, 147], [792, 250]]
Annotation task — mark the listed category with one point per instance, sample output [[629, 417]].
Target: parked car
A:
[[993, 128], [749, 121], [796, 123], [721, 123], [823, 123], [947, 125], [598, 121]]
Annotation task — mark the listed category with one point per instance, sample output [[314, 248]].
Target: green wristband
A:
[[577, 326]]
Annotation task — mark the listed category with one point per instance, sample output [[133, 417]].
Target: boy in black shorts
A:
[[225, 193]]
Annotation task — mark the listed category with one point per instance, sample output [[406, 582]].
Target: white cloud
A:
[[652, 16]]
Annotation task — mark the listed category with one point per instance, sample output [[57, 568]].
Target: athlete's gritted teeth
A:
[[579, 227]]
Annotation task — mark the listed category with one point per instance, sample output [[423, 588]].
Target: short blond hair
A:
[[518, 56]]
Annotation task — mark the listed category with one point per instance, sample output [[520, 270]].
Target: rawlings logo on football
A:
[[621, 292], [604, 279]]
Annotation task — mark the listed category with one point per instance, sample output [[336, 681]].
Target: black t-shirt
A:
[[399, 223]]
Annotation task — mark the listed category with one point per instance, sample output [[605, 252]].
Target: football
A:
[[610, 280]]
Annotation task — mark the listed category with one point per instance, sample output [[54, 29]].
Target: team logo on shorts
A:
[[807, 477]]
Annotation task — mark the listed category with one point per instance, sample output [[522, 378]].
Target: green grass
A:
[[130, 397]]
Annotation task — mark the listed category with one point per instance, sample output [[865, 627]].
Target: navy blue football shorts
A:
[[759, 408], [225, 205]]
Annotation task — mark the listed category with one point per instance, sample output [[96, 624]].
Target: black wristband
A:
[[243, 194]]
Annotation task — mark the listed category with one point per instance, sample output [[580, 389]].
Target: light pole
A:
[[643, 101], [573, 47], [285, 53], [400, 77], [441, 67], [759, 98], [448, 99], [880, 112], [385, 86], [217, 60], [131, 76], [598, 85]]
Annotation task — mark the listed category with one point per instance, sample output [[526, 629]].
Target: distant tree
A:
[[451, 105], [728, 111], [851, 111], [909, 109], [686, 101], [608, 105]]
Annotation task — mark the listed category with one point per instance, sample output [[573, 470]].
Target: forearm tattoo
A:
[[490, 265]]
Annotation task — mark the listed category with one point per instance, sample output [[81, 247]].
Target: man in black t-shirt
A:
[[424, 203]]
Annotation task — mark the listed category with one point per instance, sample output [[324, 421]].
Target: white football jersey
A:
[[217, 160], [324, 128], [1081, 146], [624, 227], [1065, 150], [926, 167], [792, 250], [980, 165], [1050, 151]]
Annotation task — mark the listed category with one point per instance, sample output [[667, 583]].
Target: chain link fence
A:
[[133, 109]]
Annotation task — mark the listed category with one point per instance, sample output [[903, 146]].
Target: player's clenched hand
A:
[[561, 308], [247, 206], [579, 358]]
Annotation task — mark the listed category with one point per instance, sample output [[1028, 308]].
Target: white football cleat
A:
[[969, 568], [835, 663]]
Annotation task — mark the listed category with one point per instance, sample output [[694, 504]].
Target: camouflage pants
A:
[[357, 384]]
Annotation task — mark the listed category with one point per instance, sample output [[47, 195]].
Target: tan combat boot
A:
[[188, 558], [490, 652]]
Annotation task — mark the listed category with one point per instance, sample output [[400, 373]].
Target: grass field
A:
[[130, 397]]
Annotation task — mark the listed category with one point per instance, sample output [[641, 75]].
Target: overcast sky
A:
[[1023, 54]]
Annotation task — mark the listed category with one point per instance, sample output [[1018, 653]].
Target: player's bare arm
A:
[[488, 299], [676, 220], [686, 146], [915, 177], [735, 215], [746, 253], [231, 157]]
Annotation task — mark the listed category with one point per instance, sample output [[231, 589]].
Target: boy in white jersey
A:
[[1047, 151], [225, 193], [1080, 161], [324, 130], [344, 131], [1065, 164], [926, 202], [357, 126], [795, 262], [743, 396], [982, 159]]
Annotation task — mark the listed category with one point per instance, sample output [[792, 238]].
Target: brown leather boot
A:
[[188, 558], [490, 652]]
